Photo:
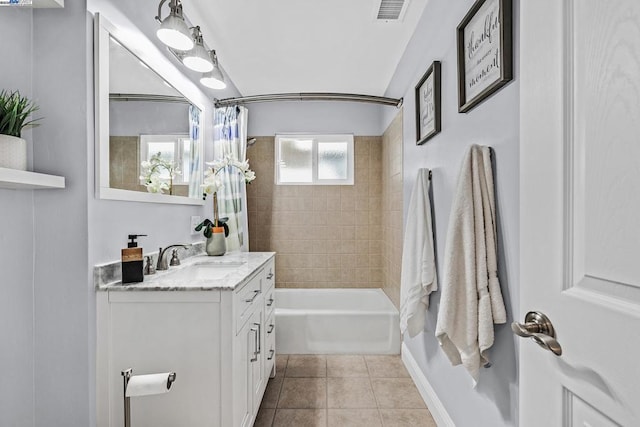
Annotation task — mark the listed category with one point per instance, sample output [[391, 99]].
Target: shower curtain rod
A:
[[310, 96], [147, 97]]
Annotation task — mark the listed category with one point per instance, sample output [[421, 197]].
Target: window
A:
[[314, 159], [172, 148]]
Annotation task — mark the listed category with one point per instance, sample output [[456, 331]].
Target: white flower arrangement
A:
[[213, 183], [151, 174]]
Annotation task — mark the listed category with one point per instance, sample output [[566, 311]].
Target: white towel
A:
[[471, 301], [418, 278]]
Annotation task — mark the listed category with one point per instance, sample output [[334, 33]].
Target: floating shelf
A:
[[25, 180]]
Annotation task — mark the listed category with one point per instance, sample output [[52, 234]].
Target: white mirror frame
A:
[[148, 53]]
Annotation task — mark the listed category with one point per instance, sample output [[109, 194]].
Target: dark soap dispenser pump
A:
[[132, 262]]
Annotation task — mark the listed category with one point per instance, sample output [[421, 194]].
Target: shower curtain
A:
[[230, 138], [194, 172]]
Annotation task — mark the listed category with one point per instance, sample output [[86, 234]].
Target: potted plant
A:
[[217, 230], [14, 111]]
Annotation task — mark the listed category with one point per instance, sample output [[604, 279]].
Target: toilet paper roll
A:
[[146, 385]]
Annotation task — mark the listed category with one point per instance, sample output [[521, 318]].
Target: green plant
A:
[[207, 227], [14, 111]]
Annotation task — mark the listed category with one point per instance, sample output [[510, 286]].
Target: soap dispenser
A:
[[132, 263]]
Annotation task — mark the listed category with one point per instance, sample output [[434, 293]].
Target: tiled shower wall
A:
[[392, 231], [324, 236]]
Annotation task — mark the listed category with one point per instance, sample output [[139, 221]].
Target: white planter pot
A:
[[13, 152]]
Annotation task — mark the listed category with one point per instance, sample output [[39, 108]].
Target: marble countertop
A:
[[241, 266]]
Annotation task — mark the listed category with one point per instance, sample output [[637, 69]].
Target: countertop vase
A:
[[13, 152], [216, 245]]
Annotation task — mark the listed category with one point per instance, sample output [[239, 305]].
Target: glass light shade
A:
[[214, 78], [174, 33], [198, 59]]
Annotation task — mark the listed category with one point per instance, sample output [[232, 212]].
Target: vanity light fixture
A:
[[173, 30], [214, 78], [198, 58]]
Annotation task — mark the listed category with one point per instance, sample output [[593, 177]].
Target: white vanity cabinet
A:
[[216, 340]]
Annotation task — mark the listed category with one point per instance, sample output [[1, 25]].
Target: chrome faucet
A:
[[162, 262]]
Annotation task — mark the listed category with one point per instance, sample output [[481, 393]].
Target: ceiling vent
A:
[[391, 10]]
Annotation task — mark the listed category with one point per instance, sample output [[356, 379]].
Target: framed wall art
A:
[[485, 52], [428, 105]]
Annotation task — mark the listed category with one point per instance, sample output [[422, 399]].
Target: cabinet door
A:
[[245, 344], [257, 360]]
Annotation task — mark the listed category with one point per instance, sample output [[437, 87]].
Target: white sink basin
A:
[[205, 271]]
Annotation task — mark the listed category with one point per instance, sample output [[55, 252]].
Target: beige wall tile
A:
[[322, 234], [392, 202]]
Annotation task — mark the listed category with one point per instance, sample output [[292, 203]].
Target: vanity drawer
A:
[[270, 342], [269, 275], [246, 298], [269, 301]]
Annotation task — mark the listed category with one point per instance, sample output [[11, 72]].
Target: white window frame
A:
[[318, 138], [178, 153]]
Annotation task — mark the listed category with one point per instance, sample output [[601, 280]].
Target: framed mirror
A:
[[149, 122]]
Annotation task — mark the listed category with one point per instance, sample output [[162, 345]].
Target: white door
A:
[[580, 210]]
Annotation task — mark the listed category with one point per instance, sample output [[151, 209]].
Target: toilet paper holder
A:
[[126, 377]]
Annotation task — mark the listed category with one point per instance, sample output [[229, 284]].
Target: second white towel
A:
[[418, 277]]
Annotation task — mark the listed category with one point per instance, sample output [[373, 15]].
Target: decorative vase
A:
[[13, 152], [216, 244]]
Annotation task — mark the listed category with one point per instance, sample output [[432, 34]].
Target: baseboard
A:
[[427, 392]]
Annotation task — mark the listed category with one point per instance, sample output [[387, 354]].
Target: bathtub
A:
[[336, 321]]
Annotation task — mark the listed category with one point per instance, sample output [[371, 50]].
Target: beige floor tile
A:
[[303, 393], [264, 417], [353, 418], [271, 394], [346, 366], [396, 393], [350, 393], [306, 366], [300, 418], [387, 366], [281, 364], [407, 418]]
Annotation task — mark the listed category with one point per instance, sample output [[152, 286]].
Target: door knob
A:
[[538, 327]]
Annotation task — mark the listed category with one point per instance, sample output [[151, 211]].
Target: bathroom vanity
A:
[[210, 320]]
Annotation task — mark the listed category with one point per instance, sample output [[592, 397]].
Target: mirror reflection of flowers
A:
[[152, 174], [213, 183]]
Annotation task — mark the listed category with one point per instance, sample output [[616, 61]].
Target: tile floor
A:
[[342, 391]]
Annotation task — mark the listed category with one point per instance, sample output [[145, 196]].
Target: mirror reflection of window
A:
[[172, 148]]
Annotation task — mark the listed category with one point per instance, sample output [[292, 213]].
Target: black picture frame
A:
[[487, 54], [431, 101]]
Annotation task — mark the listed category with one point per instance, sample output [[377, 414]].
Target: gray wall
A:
[[16, 243], [267, 119], [132, 118], [50, 239], [495, 123]]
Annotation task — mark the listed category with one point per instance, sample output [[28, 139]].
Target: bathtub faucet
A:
[[162, 261]]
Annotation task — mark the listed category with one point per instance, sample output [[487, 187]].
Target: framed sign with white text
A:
[[485, 52], [428, 104]]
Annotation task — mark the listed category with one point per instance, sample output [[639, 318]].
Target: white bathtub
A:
[[336, 321]]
